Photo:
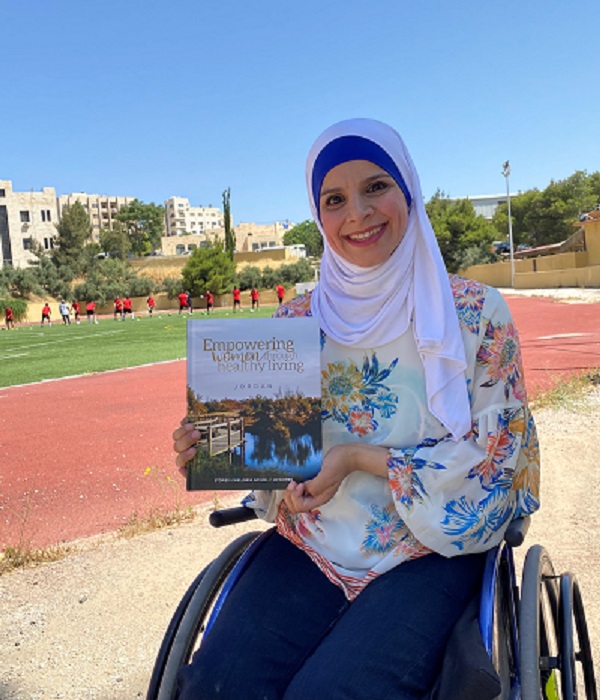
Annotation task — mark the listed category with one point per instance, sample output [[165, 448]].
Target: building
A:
[[182, 218], [253, 237], [101, 209], [485, 204], [26, 219]]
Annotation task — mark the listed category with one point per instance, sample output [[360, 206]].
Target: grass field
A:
[[33, 353]]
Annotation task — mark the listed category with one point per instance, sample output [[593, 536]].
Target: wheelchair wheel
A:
[[538, 628], [498, 618], [575, 643], [184, 633]]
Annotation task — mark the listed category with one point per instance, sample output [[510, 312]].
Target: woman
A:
[[430, 452]]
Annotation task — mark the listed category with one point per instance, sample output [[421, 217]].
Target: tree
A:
[[209, 268], [115, 241], [74, 231], [457, 228], [547, 216], [229, 232], [144, 224], [308, 234]]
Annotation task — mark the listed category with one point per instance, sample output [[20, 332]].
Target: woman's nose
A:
[[358, 207]]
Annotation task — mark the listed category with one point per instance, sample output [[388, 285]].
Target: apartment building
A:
[[182, 218], [101, 209], [25, 218]]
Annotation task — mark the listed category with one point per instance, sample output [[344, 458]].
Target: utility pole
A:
[[506, 173]]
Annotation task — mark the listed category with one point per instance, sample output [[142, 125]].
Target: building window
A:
[[27, 244], [2, 193], [48, 243], [24, 217], [43, 215]]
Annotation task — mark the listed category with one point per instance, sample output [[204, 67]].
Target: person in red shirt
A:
[[209, 301], [254, 297], [118, 308], [150, 304], [9, 318], [237, 299], [76, 310], [46, 314], [128, 308], [182, 302], [280, 293], [90, 310]]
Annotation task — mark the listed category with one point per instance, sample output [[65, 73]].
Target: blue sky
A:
[[188, 97]]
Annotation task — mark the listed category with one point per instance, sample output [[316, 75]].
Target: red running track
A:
[[74, 453]]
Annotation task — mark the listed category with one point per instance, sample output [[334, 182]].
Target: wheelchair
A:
[[533, 637]]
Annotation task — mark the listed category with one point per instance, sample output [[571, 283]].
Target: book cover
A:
[[254, 394]]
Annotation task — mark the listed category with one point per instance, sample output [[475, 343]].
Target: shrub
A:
[[249, 277], [269, 278], [19, 307], [142, 286], [172, 286]]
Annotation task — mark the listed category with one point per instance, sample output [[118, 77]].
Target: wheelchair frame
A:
[[537, 637]]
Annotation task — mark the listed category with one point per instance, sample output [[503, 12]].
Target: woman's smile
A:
[[367, 237]]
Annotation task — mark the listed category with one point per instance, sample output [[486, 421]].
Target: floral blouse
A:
[[442, 495]]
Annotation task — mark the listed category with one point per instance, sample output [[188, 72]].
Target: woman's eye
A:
[[377, 186], [333, 200]]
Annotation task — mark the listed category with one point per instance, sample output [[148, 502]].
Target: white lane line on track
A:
[[565, 335]]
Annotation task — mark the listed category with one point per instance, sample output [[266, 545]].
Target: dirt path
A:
[[89, 627]]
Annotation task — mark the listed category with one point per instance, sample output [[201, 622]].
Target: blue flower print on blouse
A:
[[352, 396], [468, 300], [477, 521], [383, 530]]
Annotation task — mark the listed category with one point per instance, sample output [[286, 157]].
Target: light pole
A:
[[506, 173]]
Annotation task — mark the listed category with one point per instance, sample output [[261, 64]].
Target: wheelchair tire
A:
[[538, 627], [575, 642], [187, 624]]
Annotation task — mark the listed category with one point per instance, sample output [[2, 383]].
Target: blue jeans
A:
[[287, 633]]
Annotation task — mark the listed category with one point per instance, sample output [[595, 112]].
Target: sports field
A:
[[32, 353]]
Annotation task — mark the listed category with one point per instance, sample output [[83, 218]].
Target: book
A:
[[254, 394]]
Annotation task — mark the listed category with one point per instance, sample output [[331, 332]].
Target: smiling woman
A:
[[429, 453]]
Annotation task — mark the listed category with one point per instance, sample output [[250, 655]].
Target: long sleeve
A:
[[459, 496]]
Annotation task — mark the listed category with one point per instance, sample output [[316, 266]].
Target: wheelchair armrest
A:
[[231, 516], [516, 531]]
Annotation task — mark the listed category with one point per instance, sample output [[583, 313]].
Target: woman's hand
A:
[[184, 439], [340, 461]]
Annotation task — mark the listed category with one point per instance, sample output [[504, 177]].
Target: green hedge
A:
[[19, 307]]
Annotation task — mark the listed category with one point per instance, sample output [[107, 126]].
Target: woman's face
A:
[[363, 212]]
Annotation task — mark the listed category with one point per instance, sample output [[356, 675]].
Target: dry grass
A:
[[569, 393], [21, 556], [155, 519]]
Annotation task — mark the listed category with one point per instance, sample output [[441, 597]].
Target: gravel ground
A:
[[90, 626]]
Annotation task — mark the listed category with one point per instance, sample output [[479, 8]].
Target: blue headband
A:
[[346, 148]]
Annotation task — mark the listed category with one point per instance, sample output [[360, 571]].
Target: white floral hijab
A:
[[367, 307]]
